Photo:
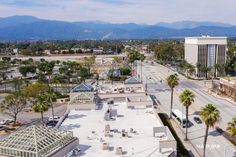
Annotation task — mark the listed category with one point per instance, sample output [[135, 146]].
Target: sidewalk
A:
[[220, 97], [188, 145]]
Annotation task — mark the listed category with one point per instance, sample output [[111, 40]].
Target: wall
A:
[[191, 53], [67, 149]]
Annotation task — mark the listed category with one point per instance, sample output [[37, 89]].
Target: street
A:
[[155, 77]]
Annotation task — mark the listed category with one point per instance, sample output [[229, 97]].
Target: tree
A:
[[46, 68], [210, 115], [36, 89], [190, 69], [231, 128], [220, 68], [84, 73], [13, 105], [125, 71], [186, 98], [134, 56], [117, 60], [172, 82], [24, 70], [6, 59], [97, 78], [89, 61], [51, 96], [17, 84], [56, 80], [40, 105], [168, 51]]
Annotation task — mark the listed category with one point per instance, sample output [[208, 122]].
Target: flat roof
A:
[[206, 40], [89, 127]]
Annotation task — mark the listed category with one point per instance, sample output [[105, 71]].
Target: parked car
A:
[[188, 125], [51, 123], [197, 120], [6, 121], [56, 118]]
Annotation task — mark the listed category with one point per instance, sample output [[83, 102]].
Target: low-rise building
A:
[[82, 97], [228, 87]]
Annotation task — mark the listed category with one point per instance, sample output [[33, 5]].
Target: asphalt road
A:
[[155, 77]]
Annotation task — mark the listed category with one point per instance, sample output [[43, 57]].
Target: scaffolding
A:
[[35, 141]]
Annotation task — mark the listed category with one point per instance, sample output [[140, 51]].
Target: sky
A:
[[123, 11]]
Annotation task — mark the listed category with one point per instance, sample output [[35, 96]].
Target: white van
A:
[[180, 117]]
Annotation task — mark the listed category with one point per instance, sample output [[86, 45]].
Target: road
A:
[[217, 145], [67, 57]]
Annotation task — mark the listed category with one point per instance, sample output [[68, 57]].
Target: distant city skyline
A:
[[123, 11]]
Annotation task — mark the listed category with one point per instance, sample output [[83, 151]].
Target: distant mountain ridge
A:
[[32, 28], [192, 24]]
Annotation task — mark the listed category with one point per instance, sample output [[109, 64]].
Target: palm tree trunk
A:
[[56, 86], [14, 119], [186, 132], [5, 87], [52, 111], [42, 118], [171, 102], [49, 80], [205, 141]]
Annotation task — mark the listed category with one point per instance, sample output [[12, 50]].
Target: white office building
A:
[[206, 52]]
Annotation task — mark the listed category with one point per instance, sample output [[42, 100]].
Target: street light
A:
[[146, 82]]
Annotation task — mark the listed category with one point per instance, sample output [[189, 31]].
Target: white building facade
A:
[[206, 53]]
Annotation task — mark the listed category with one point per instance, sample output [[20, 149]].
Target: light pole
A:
[[146, 85], [141, 72]]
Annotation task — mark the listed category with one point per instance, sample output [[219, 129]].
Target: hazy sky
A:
[[123, 11]]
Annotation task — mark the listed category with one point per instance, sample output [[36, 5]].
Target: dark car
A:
[[188, 125], [197, 120], [51, 124]]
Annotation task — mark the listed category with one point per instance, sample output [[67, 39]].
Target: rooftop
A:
[[132, 80], [206, 37], [89, 127], [83, 87], [206, 40]]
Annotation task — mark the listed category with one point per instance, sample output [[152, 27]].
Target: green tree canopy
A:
[[231, 128], [36, 89]]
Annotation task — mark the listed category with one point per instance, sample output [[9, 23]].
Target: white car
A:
[[6, 121], [56, 118]]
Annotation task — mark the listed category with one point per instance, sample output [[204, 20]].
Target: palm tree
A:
[[190, 69], [186, 98], [56, 80], [232, 127], [220, 68], [172, 81], [199, 69], [210, 115], [97, 78], [51, 96], [41, 105]]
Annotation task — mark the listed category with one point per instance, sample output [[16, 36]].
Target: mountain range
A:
[[32, 28]]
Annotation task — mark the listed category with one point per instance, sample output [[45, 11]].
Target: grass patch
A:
[[181, 150]]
